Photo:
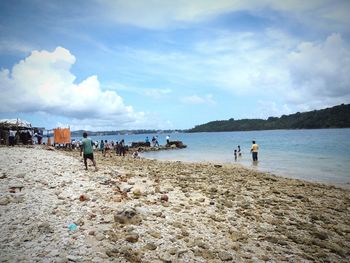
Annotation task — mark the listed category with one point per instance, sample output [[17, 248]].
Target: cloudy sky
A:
[[161, 64]]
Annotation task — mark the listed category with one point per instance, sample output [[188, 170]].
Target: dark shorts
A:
[[89, 156], [255, 156]]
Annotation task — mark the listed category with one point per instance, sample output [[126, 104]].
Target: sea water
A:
[[320, 155]]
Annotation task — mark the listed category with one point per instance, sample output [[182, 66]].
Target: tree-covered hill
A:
[[335, 117], [121, 132]]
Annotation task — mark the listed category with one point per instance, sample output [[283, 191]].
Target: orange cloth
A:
[[61, 135]]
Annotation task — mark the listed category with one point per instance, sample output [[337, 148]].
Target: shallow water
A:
[[320, 155]]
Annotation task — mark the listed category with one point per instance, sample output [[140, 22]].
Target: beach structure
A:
[[23, 129]]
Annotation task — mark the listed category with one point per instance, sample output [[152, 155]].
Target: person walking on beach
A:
[[167, 140], [107, 149], [102, 147], [239, 150], [254, 150], [86, 148], [122, 149], [117, 148]]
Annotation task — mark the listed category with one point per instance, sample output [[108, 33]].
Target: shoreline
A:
[[253, 168], [145, 210]]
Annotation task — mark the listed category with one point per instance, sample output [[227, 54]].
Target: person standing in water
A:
[[86, 148], [239, 151], [254, 150], [235, 154]]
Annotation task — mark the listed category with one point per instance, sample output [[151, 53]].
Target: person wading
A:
[[254, 150]]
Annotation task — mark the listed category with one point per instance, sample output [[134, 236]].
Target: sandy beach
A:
[[139, 210]]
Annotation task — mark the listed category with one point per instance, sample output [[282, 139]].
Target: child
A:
[[235, 154], [136, 154]]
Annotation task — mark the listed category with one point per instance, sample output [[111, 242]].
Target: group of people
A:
[[154, 142], [87, 149], [254, 151], [87, 146], [107, 147], [237, 152]]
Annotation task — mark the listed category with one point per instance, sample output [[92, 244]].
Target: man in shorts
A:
[[254, 150], [86, 147]]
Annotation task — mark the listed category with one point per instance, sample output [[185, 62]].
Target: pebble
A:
[[155, 234], [133, 237], [165, 257], [164, 198], [127, 215], [137, 192], [158, 214], [151, 246], [225, 256], [99, 236]]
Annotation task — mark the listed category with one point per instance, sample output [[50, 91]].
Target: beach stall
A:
[[15, 131], [62, 137]]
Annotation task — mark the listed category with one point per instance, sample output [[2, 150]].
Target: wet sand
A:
[[139, 210]]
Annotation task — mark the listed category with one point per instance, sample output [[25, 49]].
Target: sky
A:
[[159, 64]]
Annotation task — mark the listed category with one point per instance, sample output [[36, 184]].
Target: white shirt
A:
[[12, 133]]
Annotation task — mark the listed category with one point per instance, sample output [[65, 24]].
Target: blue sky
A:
[[158, 64]]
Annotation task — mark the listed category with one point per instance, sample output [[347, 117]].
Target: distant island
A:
[[335, 117]]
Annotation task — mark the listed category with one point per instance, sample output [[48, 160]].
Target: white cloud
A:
[[7, 46], [271, 63], [275, 64], [156, 93], [195, 99], [267, 109], [246, 63], [157, 14], [320, 70], [43, 82]]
